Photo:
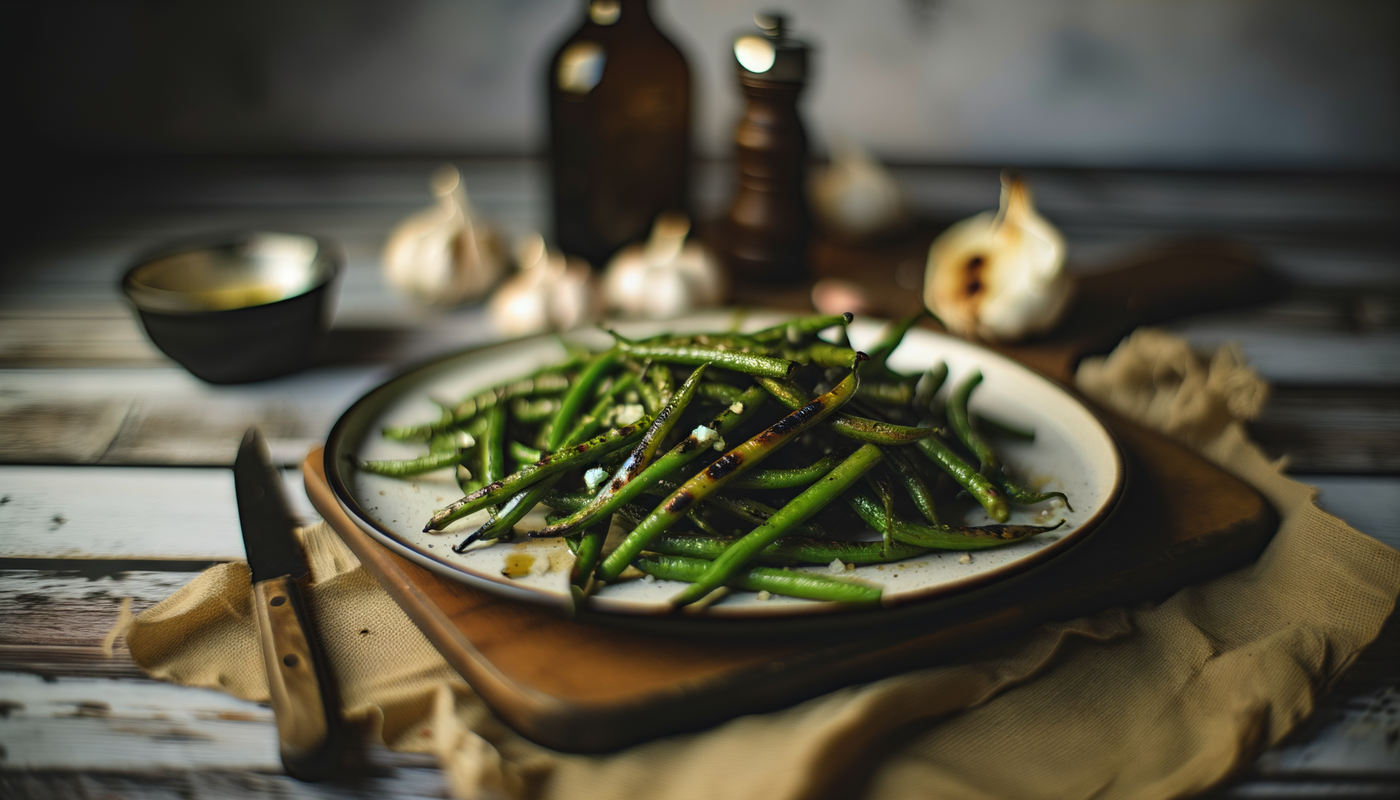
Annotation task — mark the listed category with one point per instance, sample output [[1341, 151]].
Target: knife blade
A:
[[311, 735]]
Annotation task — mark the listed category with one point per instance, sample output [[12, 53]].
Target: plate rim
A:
[[334, 456]]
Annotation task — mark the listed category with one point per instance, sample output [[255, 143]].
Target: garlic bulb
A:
[[855, 197], [550, 292], [665, 277], [441, 254], [999, 276]]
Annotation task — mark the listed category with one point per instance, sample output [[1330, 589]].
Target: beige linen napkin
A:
[[1150, 702]]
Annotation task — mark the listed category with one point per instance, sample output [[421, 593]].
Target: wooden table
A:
[[114, 478]]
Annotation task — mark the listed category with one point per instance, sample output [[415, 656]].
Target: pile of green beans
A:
[[696, 421]]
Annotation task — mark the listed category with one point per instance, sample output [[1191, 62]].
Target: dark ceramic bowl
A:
[[237, 308]]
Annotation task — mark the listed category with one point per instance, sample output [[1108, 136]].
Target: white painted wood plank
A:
[[127, 513], [118, 512], [167, 416], [81, 723]]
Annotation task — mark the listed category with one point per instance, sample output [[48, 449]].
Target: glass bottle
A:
[[619, 129]]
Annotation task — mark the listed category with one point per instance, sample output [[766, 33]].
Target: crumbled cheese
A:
[[836, 565], [704, 435], [965, 558], [719, 444], [649, 578], [764, 595], [594, 477], [628, 413], [736, 407]]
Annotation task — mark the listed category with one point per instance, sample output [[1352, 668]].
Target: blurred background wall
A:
[[1148, 83]]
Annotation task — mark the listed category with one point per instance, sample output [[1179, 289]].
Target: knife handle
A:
[[309, 728]]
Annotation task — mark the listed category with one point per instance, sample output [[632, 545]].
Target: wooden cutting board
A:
[[582, 685]]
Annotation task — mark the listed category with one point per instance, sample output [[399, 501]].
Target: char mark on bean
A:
[[792, 421], [617, 484], [724, 466], [680, 502]]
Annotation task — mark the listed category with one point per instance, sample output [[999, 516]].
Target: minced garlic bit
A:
[[850, 567], [965, 558], [593, 477], [836, 565], [649, 578], [736, 407], [764, 595]]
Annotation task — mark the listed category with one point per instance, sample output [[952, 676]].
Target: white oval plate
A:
[[1072, 453]]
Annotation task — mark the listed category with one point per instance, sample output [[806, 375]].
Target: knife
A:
[[312, 737]]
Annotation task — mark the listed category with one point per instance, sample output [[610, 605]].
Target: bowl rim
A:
[[329, 252]]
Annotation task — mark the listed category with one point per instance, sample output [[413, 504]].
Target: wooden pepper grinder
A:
[[765, 233]]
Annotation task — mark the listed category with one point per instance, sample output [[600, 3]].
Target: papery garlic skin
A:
[[442, 255], [664, 277], [550, 292], [999, 276]]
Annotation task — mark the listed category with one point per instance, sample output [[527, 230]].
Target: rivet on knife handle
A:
[[309, 730]]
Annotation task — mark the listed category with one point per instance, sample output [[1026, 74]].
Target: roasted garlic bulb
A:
[[664, 277], [999, 276], [443, 254], [549, 292]]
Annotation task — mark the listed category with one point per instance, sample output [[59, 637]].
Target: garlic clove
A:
[[856, 197], [442, 254], [549, 292], [664, 277], [999, 276]]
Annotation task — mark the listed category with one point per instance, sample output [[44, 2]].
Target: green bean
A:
[[990, 464], [532, 410], [588, 551], [941, 537], [890, 394], [767, 579], [861, 429], [603, 414], [541, 383], [721, 393], [797, 510], [970, 479], [444, 450], [791, 549], [796, 328], [664, 381], [908, 474], [651, 396], [690, 448], [577, 395], [789, 478], [515, 509], [421, 431], [893, 336], [729, 466], [745, 508], [568, 458], [929, 384], [825, 354], [1002, 428], [523, 453], [750, 363], [412, 466]]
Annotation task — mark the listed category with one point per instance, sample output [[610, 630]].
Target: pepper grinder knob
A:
[[768, 222]]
